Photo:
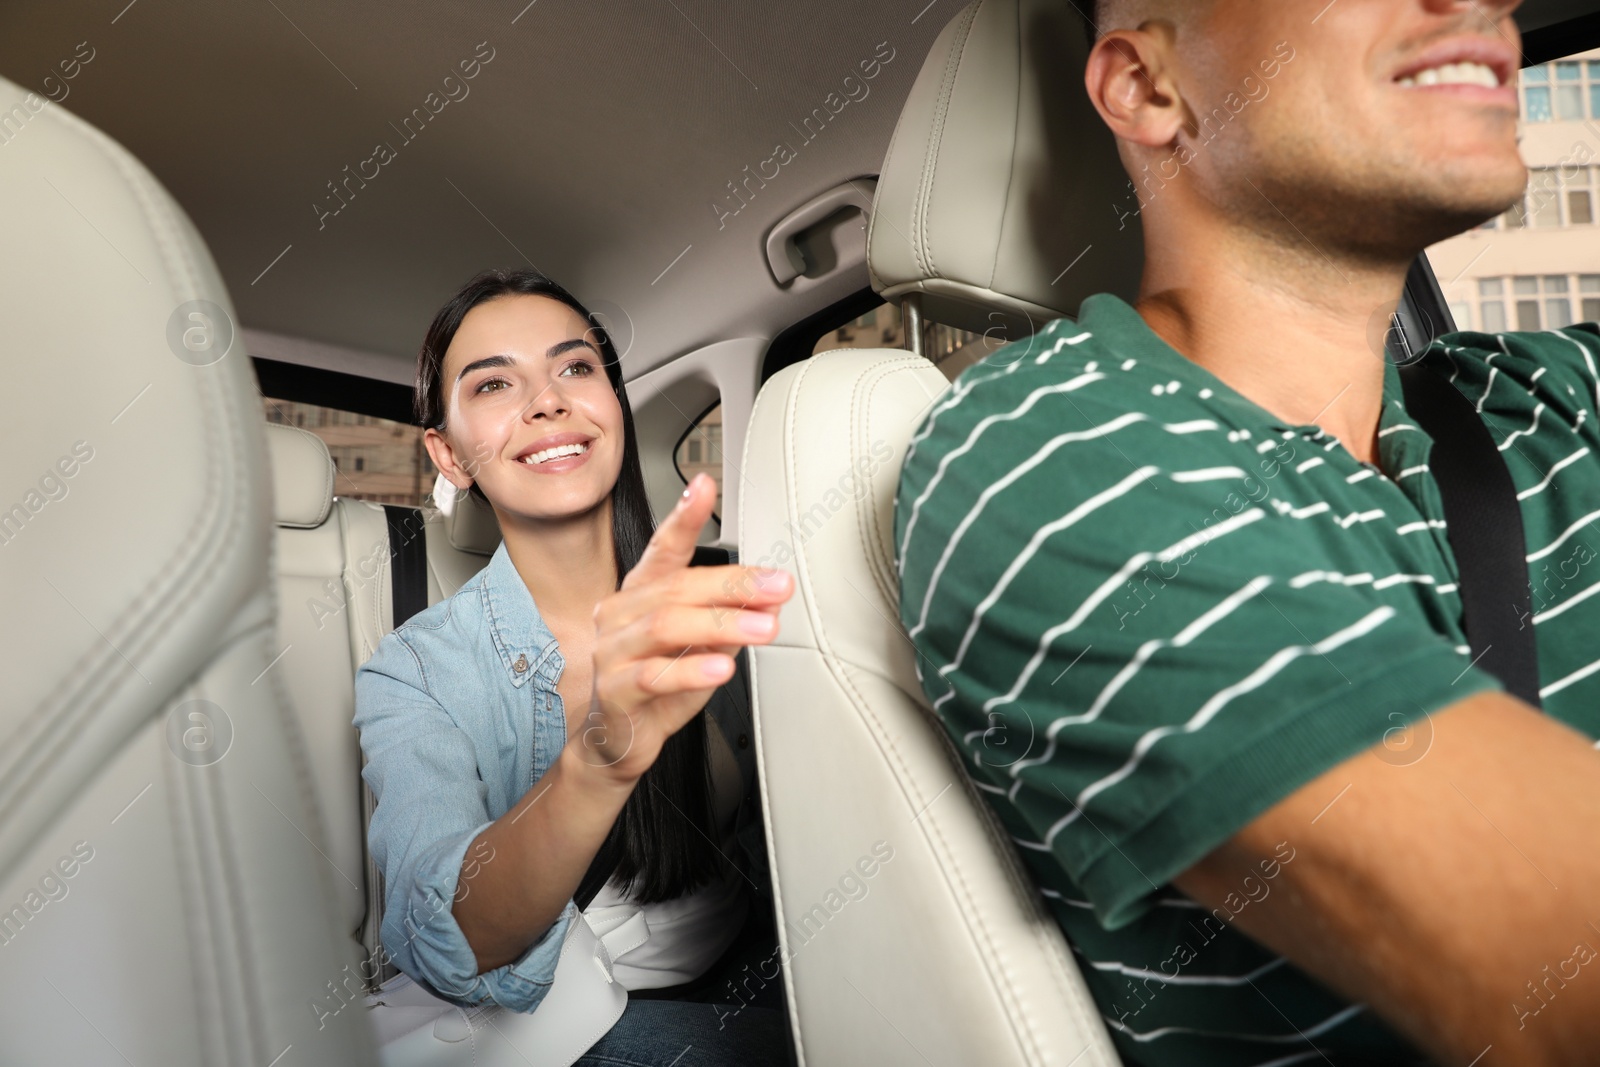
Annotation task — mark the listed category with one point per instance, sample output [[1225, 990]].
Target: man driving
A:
[[1183, 592]]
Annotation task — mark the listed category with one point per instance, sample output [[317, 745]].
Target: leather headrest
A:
[[469, 523], [302, 477], [1003, 191]]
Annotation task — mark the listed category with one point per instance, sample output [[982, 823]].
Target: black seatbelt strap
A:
[[1481, 511], [408, 593], [1484, 523], [408, 561]]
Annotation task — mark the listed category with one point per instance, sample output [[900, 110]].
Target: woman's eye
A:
[[582, 368], [484, 387]]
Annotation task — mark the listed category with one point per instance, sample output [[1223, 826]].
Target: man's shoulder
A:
[[1062, 350], [1578, 344], [1066, 387], [1071, 429], [1585, 332], [1514, 373]]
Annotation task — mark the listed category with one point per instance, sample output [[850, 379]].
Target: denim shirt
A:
[[458, 715]]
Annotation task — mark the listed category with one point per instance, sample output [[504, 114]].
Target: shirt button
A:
[[744, 740], [521, 664]]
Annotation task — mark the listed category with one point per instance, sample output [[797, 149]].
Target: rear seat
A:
[[334, 605]]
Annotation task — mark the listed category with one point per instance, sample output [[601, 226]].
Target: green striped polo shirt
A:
[[1146, 609]]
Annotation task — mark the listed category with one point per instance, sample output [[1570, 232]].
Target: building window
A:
[[1580, 207], [1589, 291], [1569, 91], [1544, 196], [1527, 310], [1491, 308], [374, 459], [1539, 302], [701, 450], [1558, 94], [1556, 196], [1557, 305]]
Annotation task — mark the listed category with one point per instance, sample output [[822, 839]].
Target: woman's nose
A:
[[547, 401]]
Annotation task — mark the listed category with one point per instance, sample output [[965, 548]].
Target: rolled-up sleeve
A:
[[431, 805]]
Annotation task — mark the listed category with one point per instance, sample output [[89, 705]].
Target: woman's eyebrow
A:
[[567, 346], [480, 364]]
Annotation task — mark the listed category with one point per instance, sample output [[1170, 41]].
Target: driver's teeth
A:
[[1466, 73]]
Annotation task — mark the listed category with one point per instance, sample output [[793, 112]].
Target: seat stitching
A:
[[790, 994], [941, 115]]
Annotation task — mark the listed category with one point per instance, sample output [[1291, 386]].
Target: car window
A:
[[700, 449], [1537, 265], [374, 459], [951, 350]]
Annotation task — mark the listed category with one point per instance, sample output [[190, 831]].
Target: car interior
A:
[[799, 225]]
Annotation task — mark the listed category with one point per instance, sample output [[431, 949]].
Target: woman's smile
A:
[[557, 453]]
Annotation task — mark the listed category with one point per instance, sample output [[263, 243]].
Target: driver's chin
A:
[[1463, 193]]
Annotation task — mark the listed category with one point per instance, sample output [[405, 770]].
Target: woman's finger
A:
[[671, 547], [728, 588], [670, 629]]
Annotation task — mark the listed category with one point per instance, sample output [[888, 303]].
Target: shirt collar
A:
[[1402, 444], [521, 638]]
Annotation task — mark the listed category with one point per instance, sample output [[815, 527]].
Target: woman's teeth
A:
[[555, 453]]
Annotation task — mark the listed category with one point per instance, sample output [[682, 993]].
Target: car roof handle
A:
[[785, 254]]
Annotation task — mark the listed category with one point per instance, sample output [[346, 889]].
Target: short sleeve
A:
[[431, 806], [1139, 644], [1567, 360]]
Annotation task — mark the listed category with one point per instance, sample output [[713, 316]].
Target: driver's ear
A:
[[1133, 86]]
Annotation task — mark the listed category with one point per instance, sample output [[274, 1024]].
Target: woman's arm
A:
[[662, 647], [423, 769]]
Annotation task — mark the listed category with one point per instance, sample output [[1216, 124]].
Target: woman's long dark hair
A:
[[660, 847]]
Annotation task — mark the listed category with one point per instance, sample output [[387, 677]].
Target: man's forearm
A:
[[1458, 897]]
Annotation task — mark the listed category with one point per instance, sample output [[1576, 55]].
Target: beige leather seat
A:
[[162, 896], [911, 933], [335, 605]]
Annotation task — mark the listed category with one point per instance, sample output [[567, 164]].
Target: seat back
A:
[[335, 602], [316, 663], [164, 892], [911, 933]]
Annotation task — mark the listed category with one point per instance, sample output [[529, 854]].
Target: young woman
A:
[[538, 736]]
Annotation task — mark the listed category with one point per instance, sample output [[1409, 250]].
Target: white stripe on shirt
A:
[[1212, 707]]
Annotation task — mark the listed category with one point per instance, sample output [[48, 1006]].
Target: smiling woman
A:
[[535, 742]]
